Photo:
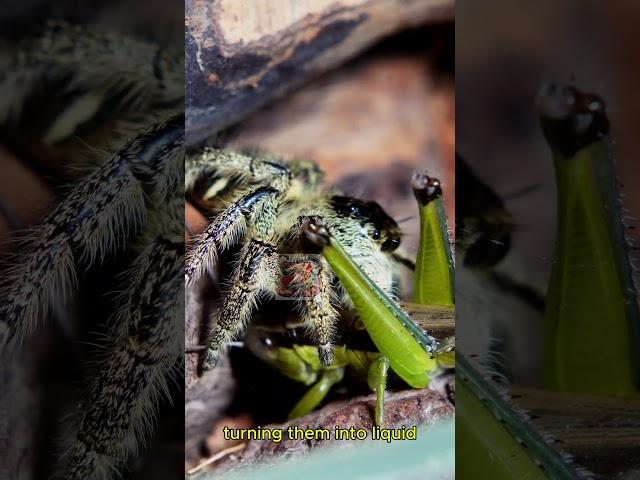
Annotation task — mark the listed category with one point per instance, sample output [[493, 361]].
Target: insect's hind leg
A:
[[317, 392], [377, 380]]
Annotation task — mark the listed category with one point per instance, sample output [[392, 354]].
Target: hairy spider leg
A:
[[236, 165], [248, 213], [124, 396], [76, 81], [230, 225], [256, 273], [224, 231], [92, 222]]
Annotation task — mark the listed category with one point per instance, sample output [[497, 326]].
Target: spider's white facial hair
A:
[[482, 308]]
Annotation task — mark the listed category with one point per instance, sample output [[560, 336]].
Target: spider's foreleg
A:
[[226, 229], [89, 224], [256, 272], [146, 344], [265, 170]]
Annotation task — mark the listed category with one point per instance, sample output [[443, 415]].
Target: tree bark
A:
[[240, 55]]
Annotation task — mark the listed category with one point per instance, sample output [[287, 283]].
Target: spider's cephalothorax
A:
[[260, 204], [118, 101]]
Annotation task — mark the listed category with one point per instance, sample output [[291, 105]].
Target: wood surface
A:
[[240, 55]]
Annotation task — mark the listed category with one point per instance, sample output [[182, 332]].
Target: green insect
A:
[[591, 312], [288, 350], [398, 343], [592, 298]]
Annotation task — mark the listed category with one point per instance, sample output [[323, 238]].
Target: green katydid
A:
[[300, 362], [405, 348]]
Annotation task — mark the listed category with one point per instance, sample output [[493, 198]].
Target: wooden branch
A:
[[240, 54], [601, 433], [440, 322]]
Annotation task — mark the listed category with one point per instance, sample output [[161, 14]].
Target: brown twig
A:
[[216, 457]]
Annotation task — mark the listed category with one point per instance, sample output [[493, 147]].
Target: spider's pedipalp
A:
[[315, 300], [145, 345]]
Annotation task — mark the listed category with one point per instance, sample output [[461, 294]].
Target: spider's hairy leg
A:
[[89, 224], [315, 301], [254, 274], [258, 178], [225, 230], [124, 396], [237, 166], [72, 76]]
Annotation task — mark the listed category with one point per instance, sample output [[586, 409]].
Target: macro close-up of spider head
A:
[[308, 229]]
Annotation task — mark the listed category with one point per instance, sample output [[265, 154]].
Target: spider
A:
[[117, 102], [259, 203]]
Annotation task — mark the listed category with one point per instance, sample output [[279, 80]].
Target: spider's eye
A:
[[390, 244], [376, 234]]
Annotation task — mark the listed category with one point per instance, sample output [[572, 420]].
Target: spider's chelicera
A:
[[258, 205]]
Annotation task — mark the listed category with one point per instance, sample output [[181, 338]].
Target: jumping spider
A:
[[258, 204], [123, 99]]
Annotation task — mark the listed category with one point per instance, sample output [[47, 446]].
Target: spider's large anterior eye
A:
[[390, 244]]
